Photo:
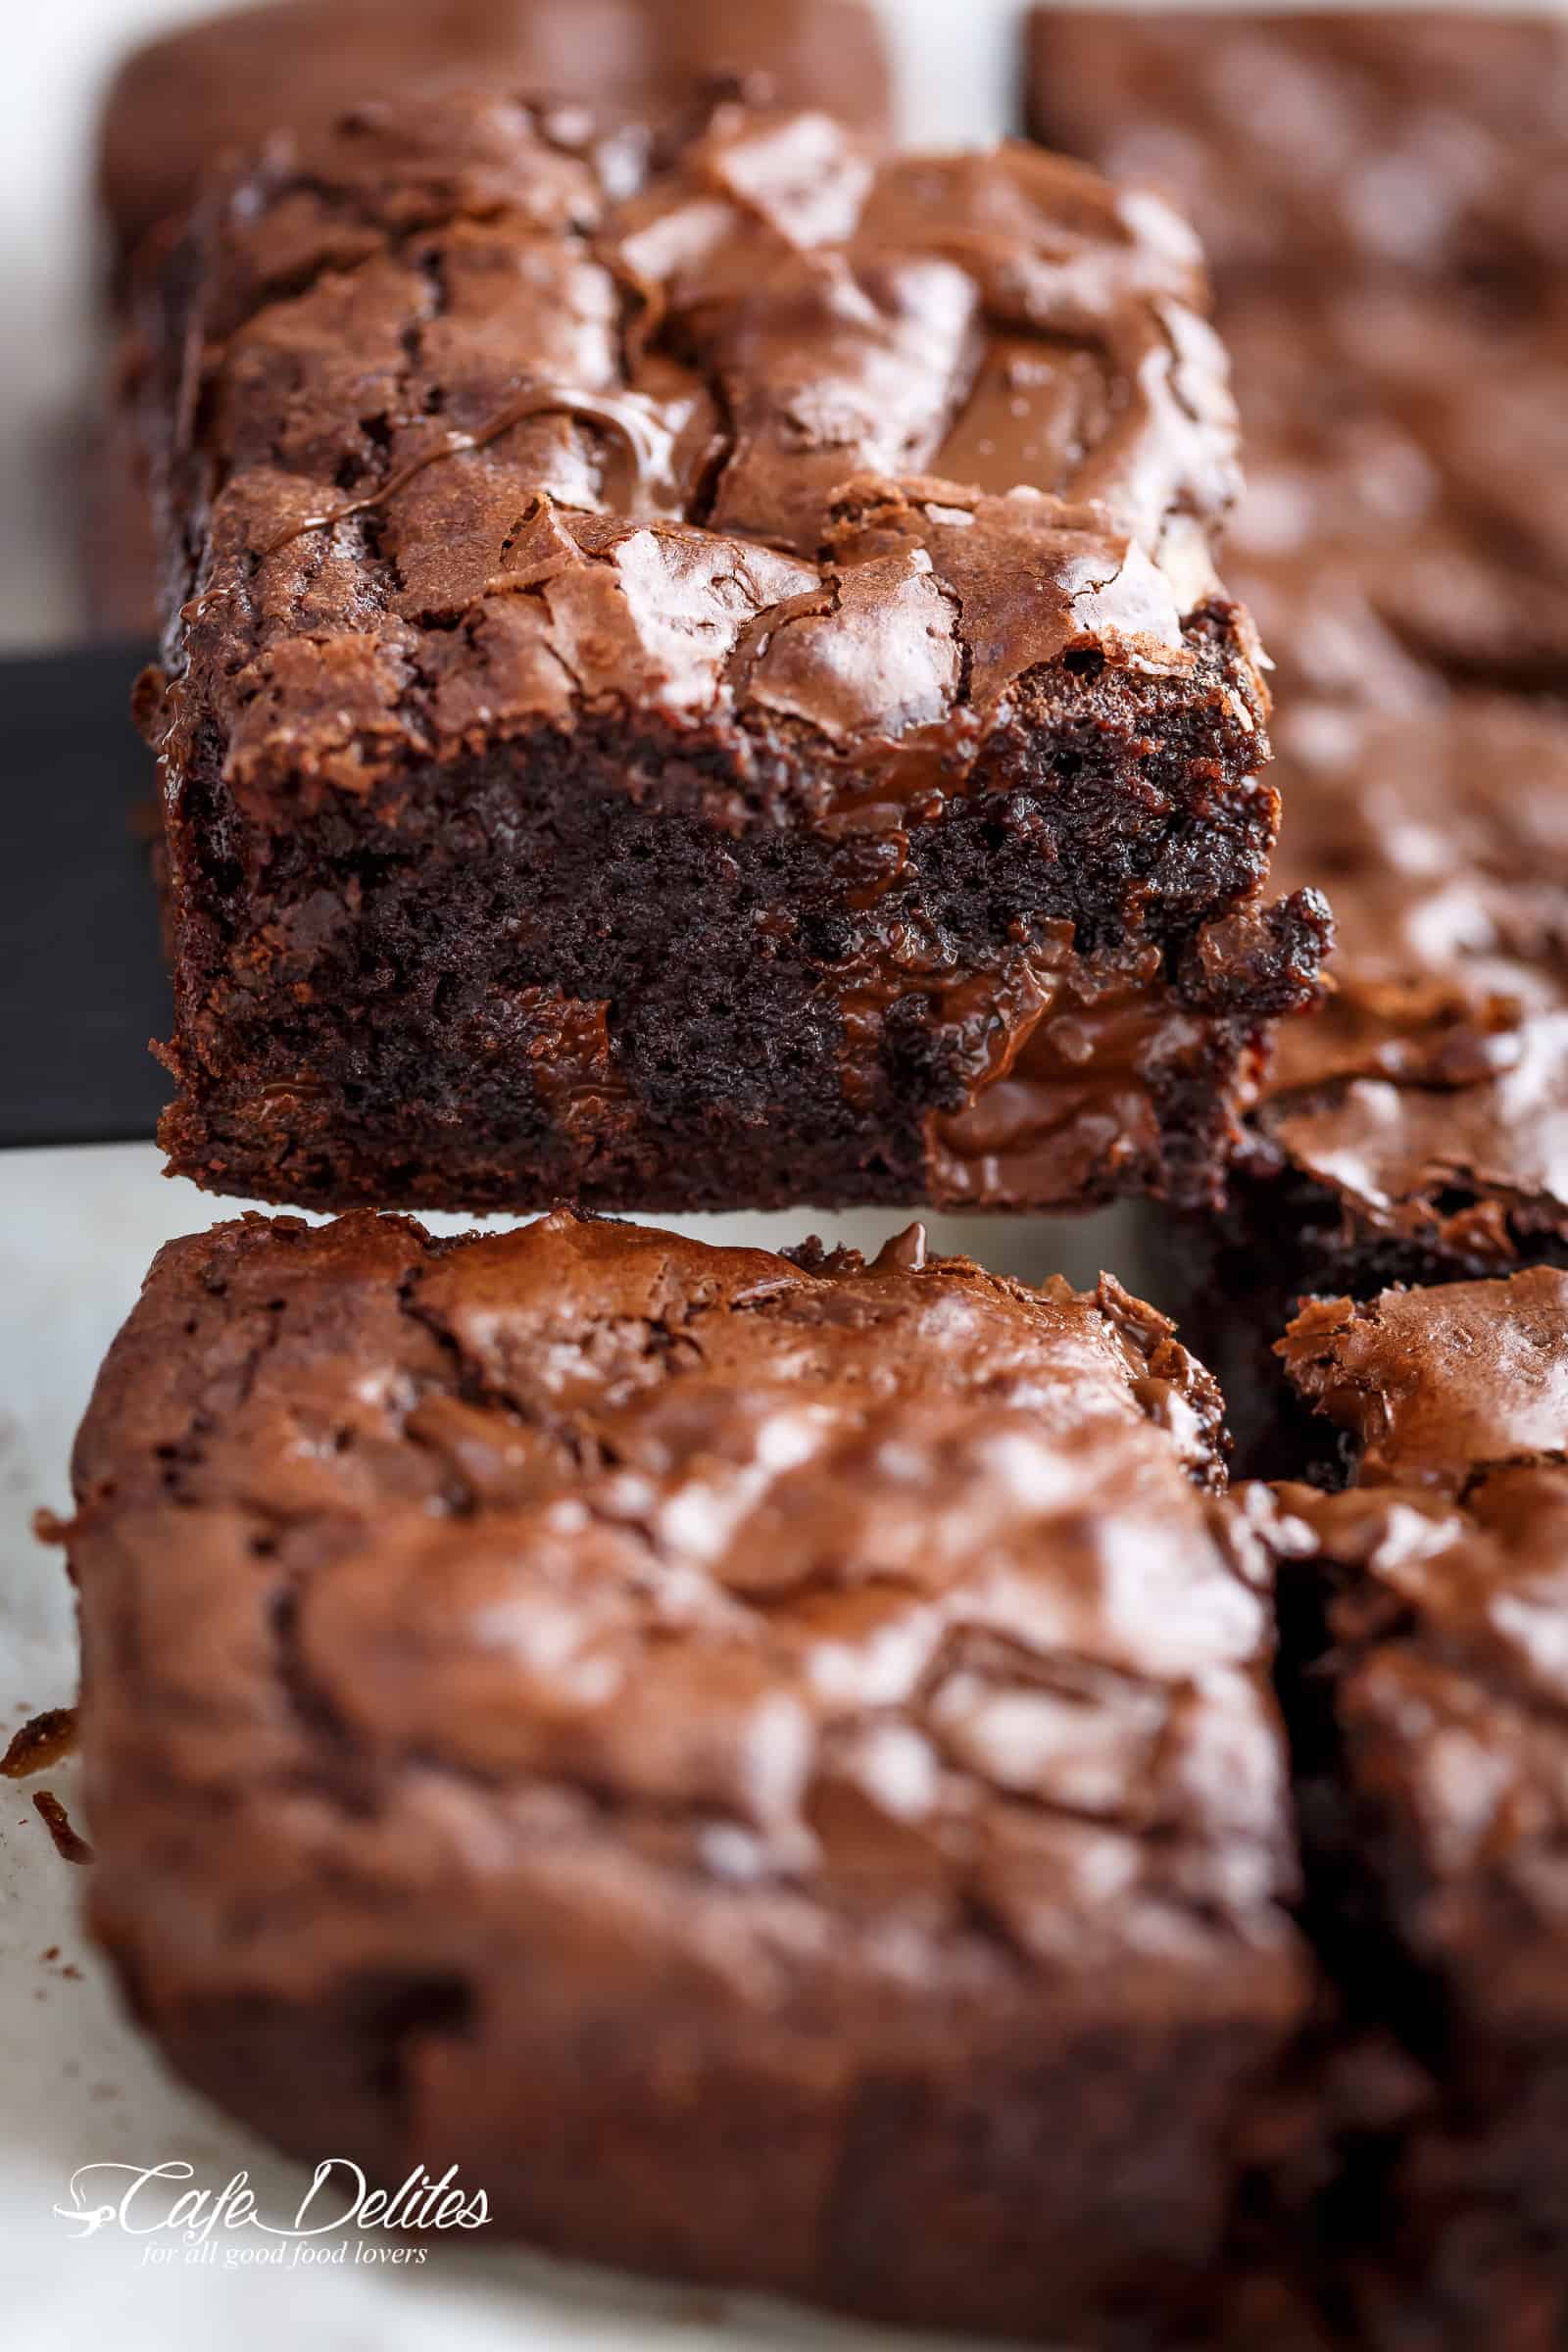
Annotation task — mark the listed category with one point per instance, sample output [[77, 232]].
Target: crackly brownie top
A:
[[495, 419], [1405, 452], [1446, 1594], [1431, 1091], [1416, 138], [890, 1592], [226, 82], [1437, 1386], [1442, 838]]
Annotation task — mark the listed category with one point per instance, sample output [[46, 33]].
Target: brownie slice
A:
[[224, 83], [708, 696], [1426, 1101], [1417, 1129], [1407, 482], [769, 1766], [1406, 139], [1422, 1612]]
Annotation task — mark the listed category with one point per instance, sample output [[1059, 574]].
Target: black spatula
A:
[[82, 987]]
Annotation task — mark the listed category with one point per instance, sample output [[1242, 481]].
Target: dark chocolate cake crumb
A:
[[39, 1744], [68, 1844]]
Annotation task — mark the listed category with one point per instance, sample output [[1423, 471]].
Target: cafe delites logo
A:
[[338, 2222]]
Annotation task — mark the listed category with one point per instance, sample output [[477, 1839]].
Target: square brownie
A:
[[697, 677], [1431, 141], [1426, 1101], [1415, 1130], [1422, 1615], [767, 1764]]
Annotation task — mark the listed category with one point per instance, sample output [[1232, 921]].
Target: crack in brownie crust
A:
[[736, 1752], [222, 86], [809, 664]]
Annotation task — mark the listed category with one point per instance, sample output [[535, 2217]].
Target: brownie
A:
[[1422, 1612], [224, 83], [768, 1765], [1385, 198], [1417, 1128], [1369, 139], [697, 680], [221, 86], [1406, 460], [1432, 1069]]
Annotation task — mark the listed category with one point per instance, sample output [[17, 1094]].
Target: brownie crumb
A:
[[40, 1743], [69, 1845]]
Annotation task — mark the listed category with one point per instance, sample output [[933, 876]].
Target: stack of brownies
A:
[[696, 678]]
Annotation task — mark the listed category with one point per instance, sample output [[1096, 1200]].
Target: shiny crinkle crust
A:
[[1425, 1681], [485, 417], [1431, 141], [585, 1669]]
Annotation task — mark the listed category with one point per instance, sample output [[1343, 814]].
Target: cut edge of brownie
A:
[[517, 1025]]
